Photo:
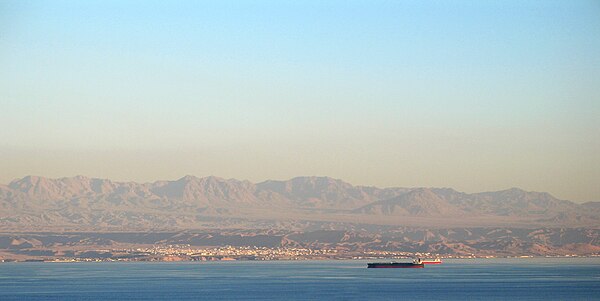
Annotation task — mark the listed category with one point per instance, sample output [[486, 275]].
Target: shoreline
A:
[[97, 260]]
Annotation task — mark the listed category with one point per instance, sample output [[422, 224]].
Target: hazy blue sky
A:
[[474, 95]]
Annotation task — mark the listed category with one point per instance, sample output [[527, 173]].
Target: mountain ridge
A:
[[193, 202]]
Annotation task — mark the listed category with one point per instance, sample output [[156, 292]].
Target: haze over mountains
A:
[[89, 204]]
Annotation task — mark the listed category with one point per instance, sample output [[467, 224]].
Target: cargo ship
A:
[[415, 264]]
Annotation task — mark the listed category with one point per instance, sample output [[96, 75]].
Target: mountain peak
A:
[[25, 179], [214, 179], [515, 190], [26, 182], [207, 179], [318, 181], [187, 178]]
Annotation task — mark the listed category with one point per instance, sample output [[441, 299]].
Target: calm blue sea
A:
[[497, 279]]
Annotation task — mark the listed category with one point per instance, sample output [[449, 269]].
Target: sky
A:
[[473, 95]]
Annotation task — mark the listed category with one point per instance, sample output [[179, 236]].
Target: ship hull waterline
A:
[[395, 265]]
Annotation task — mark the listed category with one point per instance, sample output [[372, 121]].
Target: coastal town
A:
[[184, 252]]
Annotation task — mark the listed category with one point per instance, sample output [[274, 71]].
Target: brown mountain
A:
[[417, 202], [325, 192], [81, 203]]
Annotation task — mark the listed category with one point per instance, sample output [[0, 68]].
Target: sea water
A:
[[458, 279]]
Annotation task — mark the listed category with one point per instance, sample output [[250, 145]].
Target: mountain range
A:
[[89, 204]]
